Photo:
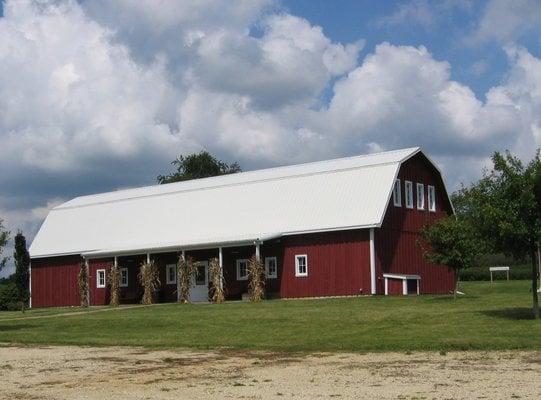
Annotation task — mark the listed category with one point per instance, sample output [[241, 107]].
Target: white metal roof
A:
[[256, 205]]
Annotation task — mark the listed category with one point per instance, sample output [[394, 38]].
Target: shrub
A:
[[256, 279], [114, 285], [150, 281], [185, 272], [82, 284], [8, 296], [217, 293]]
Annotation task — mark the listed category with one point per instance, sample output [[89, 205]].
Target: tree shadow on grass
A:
[[17, 327], [514, 313]]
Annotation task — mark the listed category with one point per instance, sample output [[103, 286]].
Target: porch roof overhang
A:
[[402, 276], [201, 245]]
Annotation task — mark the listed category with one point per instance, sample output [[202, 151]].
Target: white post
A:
[[386, 286], [257, 250], [148, 258], [116, 262], [404, 287], [221, 262], [30, 285], [372, 263], [418, 288]]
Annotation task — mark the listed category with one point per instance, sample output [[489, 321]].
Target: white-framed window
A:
[[242, 270], [420, 196], [301, 265], [431, 198], [408, 193], [271, 267], [100, 278], [123, 277], [397, 194], [171, 274]]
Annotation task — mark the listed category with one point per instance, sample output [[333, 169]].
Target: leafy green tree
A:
[[198, 165], [505, 207], [22, 270], [4, 238], [452, 242]]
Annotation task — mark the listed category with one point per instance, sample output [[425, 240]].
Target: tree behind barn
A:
[[505, 207], [198, 165], [22, 270], [4, 238]]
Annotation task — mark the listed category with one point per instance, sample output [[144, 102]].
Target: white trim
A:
[[408, 190], [372, 263], [404, 287], [239, 261], [297, 272], [124, 269], [402, 276], [420, 196], [397, 195], [148, 258], [431, 196], [386, 286], [267, 260], [30, 284], [98, 284], [168, 267]]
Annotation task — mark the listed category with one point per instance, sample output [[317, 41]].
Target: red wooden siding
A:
[[99, 296], [338, 264], [54, 281], [397, 249], [395, 286]]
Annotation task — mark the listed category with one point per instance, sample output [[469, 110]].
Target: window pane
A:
[[200, 275]]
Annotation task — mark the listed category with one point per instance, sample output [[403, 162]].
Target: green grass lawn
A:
[[488, 317]]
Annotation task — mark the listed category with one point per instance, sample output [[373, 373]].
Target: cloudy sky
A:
[[100, 95]]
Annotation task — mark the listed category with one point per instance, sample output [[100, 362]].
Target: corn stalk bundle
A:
[[149, 279], [256, 279], [185, 273], [82, 284], [217, 293], [114, 285]]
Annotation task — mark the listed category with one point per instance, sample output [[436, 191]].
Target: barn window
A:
[[100, 278], [242, 270], [123, 277], [397, 194], [431, 198], [301, 265], [408, 188], [420, 196], [171, 274], [271, 267]]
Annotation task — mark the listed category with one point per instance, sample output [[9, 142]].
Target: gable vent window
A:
[[420, 196], [431, 198], [397, 194], [408, 188]]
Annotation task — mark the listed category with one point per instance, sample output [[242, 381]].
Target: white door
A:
[[200, 284]]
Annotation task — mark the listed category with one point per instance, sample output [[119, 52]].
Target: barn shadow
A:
[[17, 327], [513, 313]]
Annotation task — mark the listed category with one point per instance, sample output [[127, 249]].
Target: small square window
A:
[[397, 194], [301, 265], [271, 267], [431, 198], [408, 188], [420, 196], [123, 277], [242, 270], [171, 274], [100, 278]]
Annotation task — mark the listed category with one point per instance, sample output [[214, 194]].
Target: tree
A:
[[198, 165], [22, 270], [505, 207], [452, 242], [4, 238]]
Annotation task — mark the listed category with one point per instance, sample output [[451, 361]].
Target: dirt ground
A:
[[133, 373]]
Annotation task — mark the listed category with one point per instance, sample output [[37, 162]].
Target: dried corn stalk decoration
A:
[[114, 284], [185, 274], [150, 281], [256, 279], [217, 294], [82, 284]]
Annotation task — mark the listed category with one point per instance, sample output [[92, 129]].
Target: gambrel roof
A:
[[338, 194]]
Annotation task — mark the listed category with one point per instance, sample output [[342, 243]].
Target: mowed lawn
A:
[[489, 316]]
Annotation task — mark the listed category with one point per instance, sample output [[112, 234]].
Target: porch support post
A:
[[221, 262], [386, 286], [148, 258], [258, 250], [116, 262], [372, 263], [87, 266], [404, 286], [182, 257]]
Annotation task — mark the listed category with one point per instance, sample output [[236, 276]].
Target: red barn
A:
[[333, 228]]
